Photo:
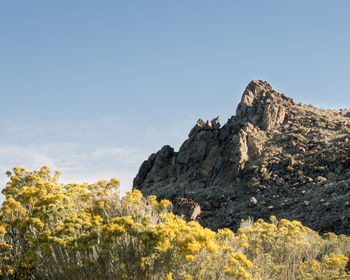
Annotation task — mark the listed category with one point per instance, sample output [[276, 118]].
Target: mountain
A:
[[274, 157]]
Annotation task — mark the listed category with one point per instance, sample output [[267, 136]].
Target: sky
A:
[[92, 88]]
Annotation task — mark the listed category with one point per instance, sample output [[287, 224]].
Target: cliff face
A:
[[274, 157]]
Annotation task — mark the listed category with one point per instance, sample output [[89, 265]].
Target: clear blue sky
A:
[[93, 87]]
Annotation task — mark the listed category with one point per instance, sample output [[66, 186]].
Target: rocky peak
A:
[[274, 157], [263, 106]]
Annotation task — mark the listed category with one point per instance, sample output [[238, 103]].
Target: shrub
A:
[[51, 230]]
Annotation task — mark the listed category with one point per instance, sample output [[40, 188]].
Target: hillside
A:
[[274, 157]]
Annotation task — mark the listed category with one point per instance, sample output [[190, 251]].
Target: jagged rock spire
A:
[[263, 106]]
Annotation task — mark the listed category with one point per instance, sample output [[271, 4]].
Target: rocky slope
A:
[[274, 157]]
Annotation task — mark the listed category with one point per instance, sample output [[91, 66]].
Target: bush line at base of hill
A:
[[51, 230]]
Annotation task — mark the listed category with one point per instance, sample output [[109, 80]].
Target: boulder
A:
[[187, 208]]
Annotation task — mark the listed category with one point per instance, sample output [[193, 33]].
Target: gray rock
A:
[[216, 122], [273, 157], [273, 116], [198, 127], [253, 182], [262, 106], [208, 125], [253, 201], [200, 123], [187, 208]]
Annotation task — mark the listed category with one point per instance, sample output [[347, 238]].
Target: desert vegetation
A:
[[51, 230]]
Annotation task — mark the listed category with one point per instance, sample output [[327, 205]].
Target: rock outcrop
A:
[[274, 157]]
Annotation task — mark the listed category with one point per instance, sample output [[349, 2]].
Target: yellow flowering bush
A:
[[280, 246], [51, 230]]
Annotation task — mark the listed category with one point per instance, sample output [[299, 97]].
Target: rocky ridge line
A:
[[272, 157]]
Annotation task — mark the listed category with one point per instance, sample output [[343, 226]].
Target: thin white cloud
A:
[[77, 163], [125, 152], [86, 151]]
